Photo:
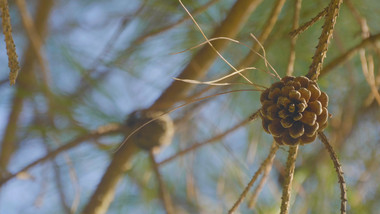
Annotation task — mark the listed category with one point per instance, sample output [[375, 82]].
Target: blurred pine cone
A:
[[294, 110]]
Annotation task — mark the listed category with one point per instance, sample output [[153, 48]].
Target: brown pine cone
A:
[[294, 110]]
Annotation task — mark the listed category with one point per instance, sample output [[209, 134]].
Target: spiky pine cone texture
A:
[[294, 110], [154, 135]]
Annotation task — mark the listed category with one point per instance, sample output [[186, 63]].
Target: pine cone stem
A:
[[287, 187]]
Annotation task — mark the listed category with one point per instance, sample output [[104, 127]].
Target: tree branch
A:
[[100, 132], [324, 39], [266, 162], [202, 61], [338, 169], [287, 186]]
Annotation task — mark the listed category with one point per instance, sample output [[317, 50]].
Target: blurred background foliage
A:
[[104, 59]]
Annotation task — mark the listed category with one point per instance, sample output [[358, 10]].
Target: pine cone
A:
[[156, 134], [294, 110]]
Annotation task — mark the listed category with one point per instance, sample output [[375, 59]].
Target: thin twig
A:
[[165, 197], [199, 64], [268, 27], [287, 186], [213, 139], [10, 45], [324, 39], [252, 200], [195, 12], [34, 38], [268, 159], [27, 83], [100, 132], [339, 171], [293, 40], [308, 24]]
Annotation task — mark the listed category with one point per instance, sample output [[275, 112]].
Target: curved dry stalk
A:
[[338, 169], [324, 39], [195, 12], [287, 186], [100, 132], [308, 24], [165, 197], [10, 45], [293, 40], [268, 160], [201, 61], [252, 200], [211, 140], [208, 41]]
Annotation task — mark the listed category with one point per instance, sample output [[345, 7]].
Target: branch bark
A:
[[324, 39]]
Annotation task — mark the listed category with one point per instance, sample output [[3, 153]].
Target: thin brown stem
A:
[[10, 45], [308, 24], [339, 171], [324, 39], [293, 40], [203, 60], [164, 195], [268, 27], [26, 84], [268, 159], [195, 12], [105, 191], [34, 38], [350, 53], [287, 186], [256, 192], [100, 132], [213, 139]]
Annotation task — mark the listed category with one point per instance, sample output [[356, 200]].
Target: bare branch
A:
[[293, 40], [10, 45], [338, 169], [350, 53], [165, 197], [213, 139], [100, 132], [287, 186], [266, 162], [200, 63], [308, 24], [324, 39], [256, 192]]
